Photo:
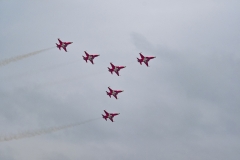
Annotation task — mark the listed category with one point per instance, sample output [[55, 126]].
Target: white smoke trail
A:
[[42, 131], [13, 59], [39, 71]]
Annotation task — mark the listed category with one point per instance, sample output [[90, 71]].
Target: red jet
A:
[[113, 92], [90, 57], [144, 59], [63, 45], [116, 69], [109, 115]]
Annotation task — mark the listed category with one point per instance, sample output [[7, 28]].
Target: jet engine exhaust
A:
[[13, 59], [29, 134], [39, 71]]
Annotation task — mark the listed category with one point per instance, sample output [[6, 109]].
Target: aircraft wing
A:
[[146, 63], [112, 65], [86, 53], [60, 41], [117, 73], [111, 119], [91, 61], [106, 113], [65, 49], [115, 96], [110, 89], [141, 55]]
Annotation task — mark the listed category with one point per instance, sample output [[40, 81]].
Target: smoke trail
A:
[[13, 59], [42, 131], [39, 71]]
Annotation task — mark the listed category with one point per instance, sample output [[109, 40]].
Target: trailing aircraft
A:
[[109, 115], [63, 45]]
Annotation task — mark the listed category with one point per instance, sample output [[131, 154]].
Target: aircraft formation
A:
[[114, 68]]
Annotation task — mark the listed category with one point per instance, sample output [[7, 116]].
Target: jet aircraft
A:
[[144, 59], [109, 115], [115, 69], [63, 45], [90, 57], [113, 92]]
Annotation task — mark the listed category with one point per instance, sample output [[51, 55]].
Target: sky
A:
[[184, 106]]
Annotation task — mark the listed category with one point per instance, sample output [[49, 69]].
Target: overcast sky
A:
[[184, 106]]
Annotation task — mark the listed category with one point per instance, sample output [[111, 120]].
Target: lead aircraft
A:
[[90, 57], [144, 59], [109, 115], [63, 45], [113, 92], [115, 69]]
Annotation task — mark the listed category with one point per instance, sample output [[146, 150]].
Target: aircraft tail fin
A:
[[108, 94], [104, 117], [110, 70], [85, 58], [139, 61], [58, 46]]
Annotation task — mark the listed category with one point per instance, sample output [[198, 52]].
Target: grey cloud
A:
[[183, 106]]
